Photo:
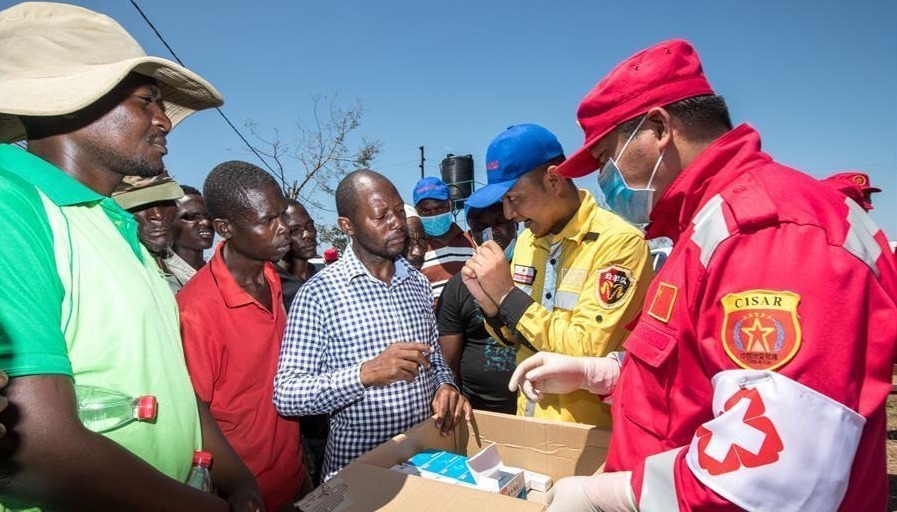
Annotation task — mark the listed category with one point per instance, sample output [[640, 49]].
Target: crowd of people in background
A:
[[551, 305]]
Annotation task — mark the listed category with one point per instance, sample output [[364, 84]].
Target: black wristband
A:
[[513, 307]]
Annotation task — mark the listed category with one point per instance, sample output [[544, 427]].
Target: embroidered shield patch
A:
[[761, 329], [614, 285]]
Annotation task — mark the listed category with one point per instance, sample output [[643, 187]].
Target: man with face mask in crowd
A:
[[757, 376], [578, 275], [482, 366], [448, 246]]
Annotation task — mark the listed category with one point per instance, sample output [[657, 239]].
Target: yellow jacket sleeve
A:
[[602, 291]]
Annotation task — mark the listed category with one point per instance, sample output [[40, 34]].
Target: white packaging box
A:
[[491, 475]]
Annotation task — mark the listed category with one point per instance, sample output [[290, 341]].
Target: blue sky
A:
[[817, 79]]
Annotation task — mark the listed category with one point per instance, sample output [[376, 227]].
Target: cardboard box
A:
[[552, 448]]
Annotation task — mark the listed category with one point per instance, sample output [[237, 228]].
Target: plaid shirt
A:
[[342, 317]]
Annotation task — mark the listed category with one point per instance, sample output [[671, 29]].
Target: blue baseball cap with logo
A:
[[515, 152], [430, 188]]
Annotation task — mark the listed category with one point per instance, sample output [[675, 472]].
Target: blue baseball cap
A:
[[515, 152], [430, 188]]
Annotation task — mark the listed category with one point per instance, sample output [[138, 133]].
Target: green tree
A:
[[311, 164], [330, 234]]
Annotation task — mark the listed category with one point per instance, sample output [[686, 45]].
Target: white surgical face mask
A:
[[633, 204]]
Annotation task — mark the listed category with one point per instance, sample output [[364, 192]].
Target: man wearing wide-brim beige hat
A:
[[85, 311], [58, 59]]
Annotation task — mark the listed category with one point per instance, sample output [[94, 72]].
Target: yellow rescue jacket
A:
[[597, 281]]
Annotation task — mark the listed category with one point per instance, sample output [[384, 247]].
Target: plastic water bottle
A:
[[199, 477], [102, 410]]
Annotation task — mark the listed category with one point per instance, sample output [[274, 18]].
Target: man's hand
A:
[[400, 361], [492, 271], [448, 405], [547, 372], [487, 305], [3, 401], [603, 492]]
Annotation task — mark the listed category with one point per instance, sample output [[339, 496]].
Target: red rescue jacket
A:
[[770, 272]]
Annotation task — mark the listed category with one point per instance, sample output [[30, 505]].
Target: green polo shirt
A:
[[80, 296]]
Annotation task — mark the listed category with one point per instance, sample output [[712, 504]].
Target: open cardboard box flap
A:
[[552, 448]]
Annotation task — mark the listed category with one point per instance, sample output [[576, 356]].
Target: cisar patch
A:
[[761, 329], [524, 275], [613, 286]]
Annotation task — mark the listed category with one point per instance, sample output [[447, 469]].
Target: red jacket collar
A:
[[720, 163], [234, 296]]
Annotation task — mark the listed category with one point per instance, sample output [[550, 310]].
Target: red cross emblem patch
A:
[[741, 436]]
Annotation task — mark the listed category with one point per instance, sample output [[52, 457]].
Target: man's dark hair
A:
[[224, 190], [705, 118], [190, 191], [347, 191], [558, 160]]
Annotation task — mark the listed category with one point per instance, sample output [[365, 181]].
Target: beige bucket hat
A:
[[56, 59], [136, 191]]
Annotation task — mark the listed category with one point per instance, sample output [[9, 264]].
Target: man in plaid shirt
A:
[[361, 338]]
